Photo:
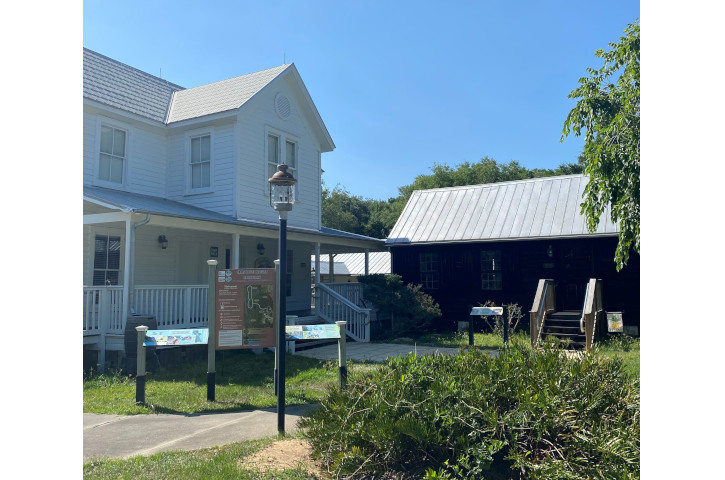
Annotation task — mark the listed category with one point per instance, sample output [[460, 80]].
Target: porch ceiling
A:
[[168, 213]]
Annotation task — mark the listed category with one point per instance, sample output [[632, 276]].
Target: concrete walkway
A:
[[375, 352], [123, 436]]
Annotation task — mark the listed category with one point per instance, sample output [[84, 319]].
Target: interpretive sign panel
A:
[[311, 332], [186, 336], [245, 308], [487, 311]]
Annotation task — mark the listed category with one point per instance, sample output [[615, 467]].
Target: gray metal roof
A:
[[138, 203], [525, 209], [113, 83], [354, 263], [220, 96]]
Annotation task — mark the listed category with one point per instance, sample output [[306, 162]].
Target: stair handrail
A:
[[333, 307], [592, 307], [544, 302]]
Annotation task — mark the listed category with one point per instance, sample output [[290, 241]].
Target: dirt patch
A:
[[282, 455]]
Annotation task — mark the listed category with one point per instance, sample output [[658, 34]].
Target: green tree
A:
[[608, 112]]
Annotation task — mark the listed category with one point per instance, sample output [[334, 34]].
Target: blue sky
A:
[[400, 85]]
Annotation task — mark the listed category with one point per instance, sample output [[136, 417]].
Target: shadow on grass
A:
[[237, 367]]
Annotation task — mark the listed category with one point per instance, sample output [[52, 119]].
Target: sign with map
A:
[[245, 313]]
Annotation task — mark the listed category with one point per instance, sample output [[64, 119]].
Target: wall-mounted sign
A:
[[614, 322], [214, 252], [245, 308], [186, 336]]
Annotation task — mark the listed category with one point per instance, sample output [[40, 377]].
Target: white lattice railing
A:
[[103, 309], [333, 307]]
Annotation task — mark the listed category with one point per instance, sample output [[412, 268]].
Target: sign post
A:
[[342, 354], [211, 314], [485, 311], [141, 364]]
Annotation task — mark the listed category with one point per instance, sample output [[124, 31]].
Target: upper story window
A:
[[280, 148], [200, 163], [491, 278], [112, 157], [429, 271]]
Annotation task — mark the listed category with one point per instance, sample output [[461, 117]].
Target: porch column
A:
[[235, 250], [332, 267], [367, 261], [128, 267], [317, 263]]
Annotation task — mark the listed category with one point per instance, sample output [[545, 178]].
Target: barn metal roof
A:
[[536, 208]]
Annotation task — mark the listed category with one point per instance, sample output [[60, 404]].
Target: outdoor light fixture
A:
[[164, 243], [550, 251], [282, 189], [281, 198], [260, 248]]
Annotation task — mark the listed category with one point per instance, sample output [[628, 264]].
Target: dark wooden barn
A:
[[472, 244]]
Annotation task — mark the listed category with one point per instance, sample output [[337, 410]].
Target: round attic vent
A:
[[282, 106]]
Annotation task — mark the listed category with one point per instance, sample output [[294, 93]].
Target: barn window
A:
[[491, 270], [106, 260], [429, 270]]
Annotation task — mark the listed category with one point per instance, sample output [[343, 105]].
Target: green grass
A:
[[210, 463], [622, 346], [244, 381]]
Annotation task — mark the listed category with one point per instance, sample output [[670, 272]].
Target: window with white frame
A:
[[280, 147], [200, 162], [112, 156], [429, 271], [491, 278], [106, 260]]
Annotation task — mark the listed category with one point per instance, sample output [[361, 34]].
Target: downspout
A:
[[130, 263]]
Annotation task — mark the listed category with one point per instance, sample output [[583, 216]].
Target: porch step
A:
[[565, 326]]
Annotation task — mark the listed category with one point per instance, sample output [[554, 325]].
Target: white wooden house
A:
[[174, 176]]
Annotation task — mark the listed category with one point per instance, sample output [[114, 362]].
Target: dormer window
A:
[[112, 154]]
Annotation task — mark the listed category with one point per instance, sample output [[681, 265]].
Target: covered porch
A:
[[147, 256]]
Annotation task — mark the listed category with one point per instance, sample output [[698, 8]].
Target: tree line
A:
[[376, 218]]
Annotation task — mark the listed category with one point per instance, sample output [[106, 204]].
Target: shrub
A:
[[528, 414], [413, 309]]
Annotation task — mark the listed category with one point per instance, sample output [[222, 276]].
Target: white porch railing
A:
[[174, 306], [333, 307], [103, 309], [177, 306], [185, 306], [351, 291]]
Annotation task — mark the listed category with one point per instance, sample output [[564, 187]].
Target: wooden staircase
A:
[[576, 329]]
